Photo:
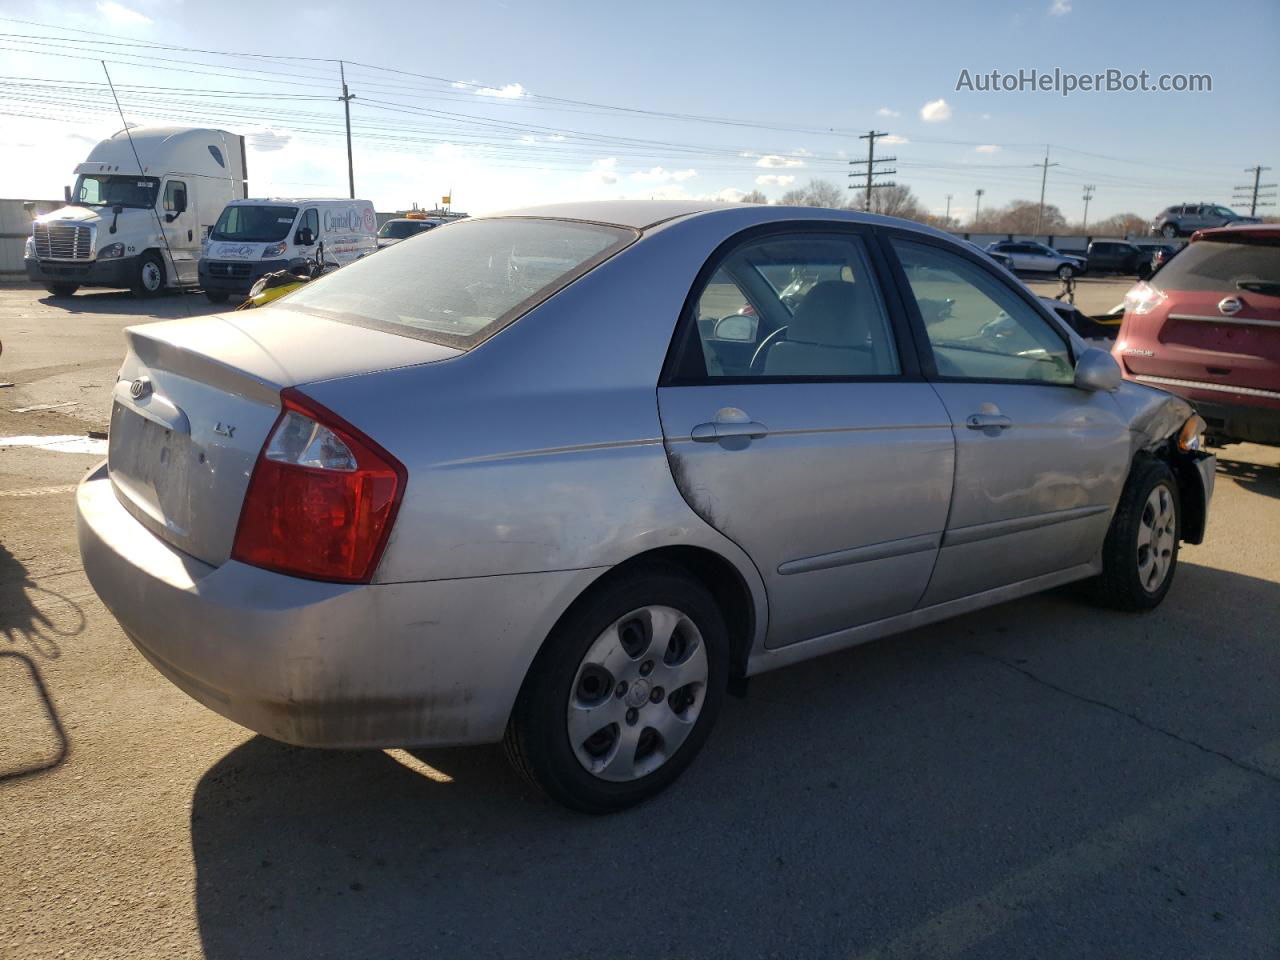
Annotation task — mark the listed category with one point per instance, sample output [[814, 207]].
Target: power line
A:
[[1088, 195], [871, 172], [1252, 196]]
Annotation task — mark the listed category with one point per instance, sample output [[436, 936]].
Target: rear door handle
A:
[[719, 430], [983, 421]]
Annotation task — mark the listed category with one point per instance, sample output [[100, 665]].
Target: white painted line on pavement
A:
[[68, 443], [38, 491]]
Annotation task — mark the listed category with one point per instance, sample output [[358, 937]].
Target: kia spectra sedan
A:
[[563, 477]]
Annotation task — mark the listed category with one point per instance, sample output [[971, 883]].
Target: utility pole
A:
[[977, 204], [1252, 195], [1044, 176], [1088, 195], [946, 219], [346, 99], [871, 136]]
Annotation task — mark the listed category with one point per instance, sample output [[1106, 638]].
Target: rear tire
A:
[[62, 289], [1140, 554], [148, 278], [217, 296], [579, 680]]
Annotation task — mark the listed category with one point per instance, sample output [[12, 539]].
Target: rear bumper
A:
[[436, 663], [1230, 416], [119, 272], [211, 279]]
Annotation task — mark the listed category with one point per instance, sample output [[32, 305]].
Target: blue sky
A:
[[790, 87]]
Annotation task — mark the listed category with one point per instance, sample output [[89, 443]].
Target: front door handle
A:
[[984, 421], [728, 425]]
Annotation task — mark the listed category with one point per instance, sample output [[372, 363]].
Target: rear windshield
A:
[[399, 229], [461, 285], [1218, 267], [253, 224]]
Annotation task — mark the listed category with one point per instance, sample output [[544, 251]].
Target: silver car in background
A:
[[562, 477]]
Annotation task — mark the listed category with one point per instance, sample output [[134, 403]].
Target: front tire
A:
[[1066, 271], [62, 289], [1169, 231], [148, 278], [1140, 554], [624, 692]]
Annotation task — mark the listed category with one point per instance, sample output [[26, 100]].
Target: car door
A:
[[1039, 462], [823, 454], [181, 230]]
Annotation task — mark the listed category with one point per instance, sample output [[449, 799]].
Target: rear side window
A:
[[1223, 268], [461, 285]]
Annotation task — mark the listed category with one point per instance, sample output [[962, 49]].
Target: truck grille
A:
[[63, 241], [223, 268]]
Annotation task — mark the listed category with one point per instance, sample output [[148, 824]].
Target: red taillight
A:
[[321, 499]]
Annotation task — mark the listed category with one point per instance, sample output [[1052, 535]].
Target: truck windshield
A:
[[461, 285], [253, 224], [100, 190]]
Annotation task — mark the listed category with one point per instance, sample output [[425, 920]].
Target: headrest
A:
[[835, 313]]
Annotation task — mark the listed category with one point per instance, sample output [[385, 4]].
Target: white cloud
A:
[[730, 194], [1060, 8], [747, 153], [802, 152], [512, 91], [267, 140], [777, 160], [894, 138], [528, 138], [604, 170], [556, 137], [935, 111], [886, 112], [986, 116], [774, 179], [119, 13], [987, 148], [661, 175]]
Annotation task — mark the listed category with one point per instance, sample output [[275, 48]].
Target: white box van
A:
[[255, 237], [140, 229]]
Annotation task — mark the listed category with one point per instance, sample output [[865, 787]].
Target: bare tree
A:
[[1120, 225], [817, 193], [755, 196], [897, 201], [1020, 216]]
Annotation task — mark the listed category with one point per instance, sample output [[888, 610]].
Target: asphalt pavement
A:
[[1041, 779]]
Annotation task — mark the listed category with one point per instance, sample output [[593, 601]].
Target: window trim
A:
[[685, 365], [924, 345]]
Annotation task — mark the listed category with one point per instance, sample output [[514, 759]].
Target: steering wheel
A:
[[762, 351]]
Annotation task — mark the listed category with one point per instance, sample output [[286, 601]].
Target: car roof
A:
[[1248, 231], [643, 214]]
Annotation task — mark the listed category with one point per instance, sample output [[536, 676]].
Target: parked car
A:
[[996, 255], [1115, 256], [402, 228], [1184, 219], [1162, 254], [503, 483], [1207, 327], [1029, 257], [254, 238]]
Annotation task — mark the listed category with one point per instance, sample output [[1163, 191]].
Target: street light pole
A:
[[346, 99]]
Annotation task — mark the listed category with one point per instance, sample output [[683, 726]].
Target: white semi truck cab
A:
[[139, 229]]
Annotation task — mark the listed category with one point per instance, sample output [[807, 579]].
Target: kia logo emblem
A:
[[1230, 306], [140, 388]]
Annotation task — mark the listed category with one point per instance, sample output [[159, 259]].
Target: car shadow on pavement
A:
[[929, 786], [166, 306], [1254, 477]]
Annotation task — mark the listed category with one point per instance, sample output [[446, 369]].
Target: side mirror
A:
[[305, 237], [736, 327], [1097, 370]]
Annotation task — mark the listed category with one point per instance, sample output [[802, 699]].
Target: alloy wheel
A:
[[637, 693], [1156, 538]]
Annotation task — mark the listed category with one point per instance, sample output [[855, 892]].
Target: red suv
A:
[[1206, 326]]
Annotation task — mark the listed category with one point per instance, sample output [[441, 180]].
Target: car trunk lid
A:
[[196, 400]]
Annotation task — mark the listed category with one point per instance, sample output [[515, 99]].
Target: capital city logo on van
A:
[[349, 219]]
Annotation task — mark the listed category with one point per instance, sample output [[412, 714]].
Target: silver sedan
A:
[[563, 477]]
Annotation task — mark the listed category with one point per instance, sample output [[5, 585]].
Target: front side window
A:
[[798, 307], [175, 196], [978, 328], [460, 285], [311, 221], [100, 190], [252, 223]]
